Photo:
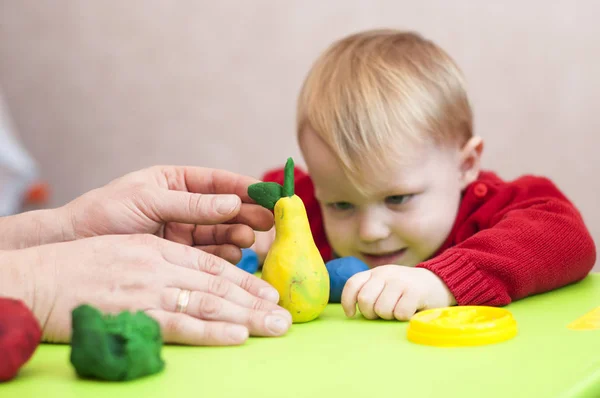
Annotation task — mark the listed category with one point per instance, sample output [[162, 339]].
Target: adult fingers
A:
[[178, 232], [183, 329], [192, 208], [255, 216], [205, 209], [212, 308], [212, 265], [208, 181], [238, 235], [219, 182], [217, 277], [351, 290], [220, 287], [229, 253]]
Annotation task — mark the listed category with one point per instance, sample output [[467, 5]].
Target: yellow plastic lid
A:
[[462, 326]]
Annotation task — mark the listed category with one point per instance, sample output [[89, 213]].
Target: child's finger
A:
[[387, 301], [368, 295], [350, 292], [262, 244], [407, 305]]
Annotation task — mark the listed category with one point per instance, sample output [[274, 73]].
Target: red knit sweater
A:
[[510, 240]]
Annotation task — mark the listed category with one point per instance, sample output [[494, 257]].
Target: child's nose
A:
[[373, 229]]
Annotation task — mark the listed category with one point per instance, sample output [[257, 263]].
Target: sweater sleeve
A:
[[304, 189], [534, 241]]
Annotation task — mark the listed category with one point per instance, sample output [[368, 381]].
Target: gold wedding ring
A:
[[182, 300]]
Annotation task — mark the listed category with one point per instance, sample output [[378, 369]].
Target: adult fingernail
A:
[[276, 324], [284, 314], [237, 333], [226, 204], [269, 294]]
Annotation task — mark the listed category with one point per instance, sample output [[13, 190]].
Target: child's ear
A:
[[470, 161]]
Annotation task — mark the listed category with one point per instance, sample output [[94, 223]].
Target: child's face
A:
[[402, 219]]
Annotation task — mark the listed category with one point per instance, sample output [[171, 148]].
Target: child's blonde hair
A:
[[371, 94]]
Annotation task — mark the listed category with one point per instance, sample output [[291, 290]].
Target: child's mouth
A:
[[377, 259]]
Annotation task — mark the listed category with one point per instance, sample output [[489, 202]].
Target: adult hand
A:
[[144, 272], [201, 207]]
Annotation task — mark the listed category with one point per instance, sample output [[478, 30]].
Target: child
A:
[[385, 127]]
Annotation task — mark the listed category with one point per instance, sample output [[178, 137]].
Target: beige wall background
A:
[[100, 88]]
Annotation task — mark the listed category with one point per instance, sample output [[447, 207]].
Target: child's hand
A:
[[262, 243], [394, 291]]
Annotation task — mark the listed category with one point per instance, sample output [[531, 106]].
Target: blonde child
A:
[[385, 127]]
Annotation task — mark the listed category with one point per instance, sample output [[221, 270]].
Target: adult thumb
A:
[[195, 208]]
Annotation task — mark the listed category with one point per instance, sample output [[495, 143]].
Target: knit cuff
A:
[[467, 283]]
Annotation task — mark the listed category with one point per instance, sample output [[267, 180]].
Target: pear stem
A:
[[288, 178]]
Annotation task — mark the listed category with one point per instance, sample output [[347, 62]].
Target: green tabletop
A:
[[339, 357]]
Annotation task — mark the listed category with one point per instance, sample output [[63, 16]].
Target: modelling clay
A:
[[249, 261], [265, 194], [115, 347], [460, 326], [293, 265], [20, 335], [340, 270]]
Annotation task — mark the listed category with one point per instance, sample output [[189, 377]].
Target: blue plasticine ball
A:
[[249, 261], [340, 270]]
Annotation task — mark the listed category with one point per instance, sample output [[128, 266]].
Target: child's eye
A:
[[341, 206], [396, 200]]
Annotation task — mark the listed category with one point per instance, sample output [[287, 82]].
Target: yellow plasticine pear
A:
[[293, 265]]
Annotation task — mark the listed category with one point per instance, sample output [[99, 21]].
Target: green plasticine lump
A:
[[115, 347], [267, 194]]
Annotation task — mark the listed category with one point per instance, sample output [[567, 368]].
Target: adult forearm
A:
[[35, 228]]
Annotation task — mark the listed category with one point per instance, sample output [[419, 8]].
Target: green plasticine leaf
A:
[[288, 179], [265, 194]]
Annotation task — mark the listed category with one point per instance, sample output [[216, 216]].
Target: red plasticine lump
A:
[[20, 334]]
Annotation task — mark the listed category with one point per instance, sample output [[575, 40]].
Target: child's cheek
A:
[[340, 235]]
